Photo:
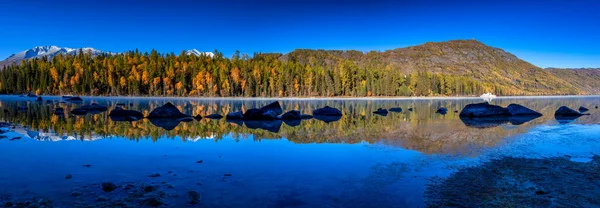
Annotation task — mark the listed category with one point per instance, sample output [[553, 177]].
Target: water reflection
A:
[[421, 129]]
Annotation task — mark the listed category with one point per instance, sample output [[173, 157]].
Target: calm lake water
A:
[[361, 160]]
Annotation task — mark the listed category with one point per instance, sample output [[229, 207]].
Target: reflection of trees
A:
[[422, 130]]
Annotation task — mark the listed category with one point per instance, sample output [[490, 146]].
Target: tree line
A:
[[303, 73]]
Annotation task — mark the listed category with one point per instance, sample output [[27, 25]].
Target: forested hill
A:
[[453, 68], [586, 79]]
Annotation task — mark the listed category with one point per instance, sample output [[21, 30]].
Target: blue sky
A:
[[545, 33]]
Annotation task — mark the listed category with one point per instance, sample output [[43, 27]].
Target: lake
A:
[[360, 160]]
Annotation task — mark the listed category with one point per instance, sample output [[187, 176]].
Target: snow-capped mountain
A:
[[41, 51], [198, 53]]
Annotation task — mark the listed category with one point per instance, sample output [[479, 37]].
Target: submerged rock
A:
[[214, 116], [327, 111], [381, 112], [518, 110], [566, 111], [583, 109], [168, 110], [120, 114], [108, 186], [73, 99], [483, 109], [193, 197], [442, 111], [396, 110], [292, 115], [268, 112], [94, 107], [238, 115]]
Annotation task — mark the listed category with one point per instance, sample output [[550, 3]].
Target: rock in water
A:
[[194, 197], [118, 113], [68, 176], [519, 110], [274, 106], [381, 112], [39, 99], [483, 109], [269, 115], [396, 110], [214, 116], [442, 110], [167, 111], [73, 99], [108, 186], [292, 115], [94, 107], [566, 111], [410, 109], [235, 115], [327, 111], [583, 109], [253, 114], [79, 111]]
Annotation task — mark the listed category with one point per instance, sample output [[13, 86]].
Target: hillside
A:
[[452, 68], [586, 79], [468, 58]]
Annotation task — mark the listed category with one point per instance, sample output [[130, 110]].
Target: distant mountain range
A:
[[51, 51]]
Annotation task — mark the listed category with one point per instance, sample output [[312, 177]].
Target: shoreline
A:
[[328, 98]]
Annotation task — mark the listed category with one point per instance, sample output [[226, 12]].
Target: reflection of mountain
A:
[[420, 130]]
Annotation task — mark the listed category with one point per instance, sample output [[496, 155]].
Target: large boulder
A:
[[519, 110], [483, 109], [269, 115], [167, 111], [274, 106], [292, 115], [253, 114], [327, 111], [238, 115], [566, 111], [118, 113]]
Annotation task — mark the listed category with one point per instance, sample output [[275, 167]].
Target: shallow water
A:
[[361, 160]]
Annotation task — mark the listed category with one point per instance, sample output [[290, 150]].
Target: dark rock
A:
[[75, 193], [327, 111], [129, 187], [108, 186], [14, 138], [566, 111], [269, 115], [484, 122], [79, 111], [521, 119], [442, 111], [396, 110], [39, 99], [253, 114], [227, 174], [274, 106], [59, 111], [8, 204], [198, 117], [235, 116], [199, 161], [68, 176], [148, 189], [456, 111], [236, 121], [519, 110], [410, 109], [292, 115], [381, 112], [583, 109], [6, 110], [194, 197], [119, 114], [483, 109], [168, 110], [87, 165], [214, 116], [152, 202], [154, 175], [541, 192], [31, 94], [596, 107]]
